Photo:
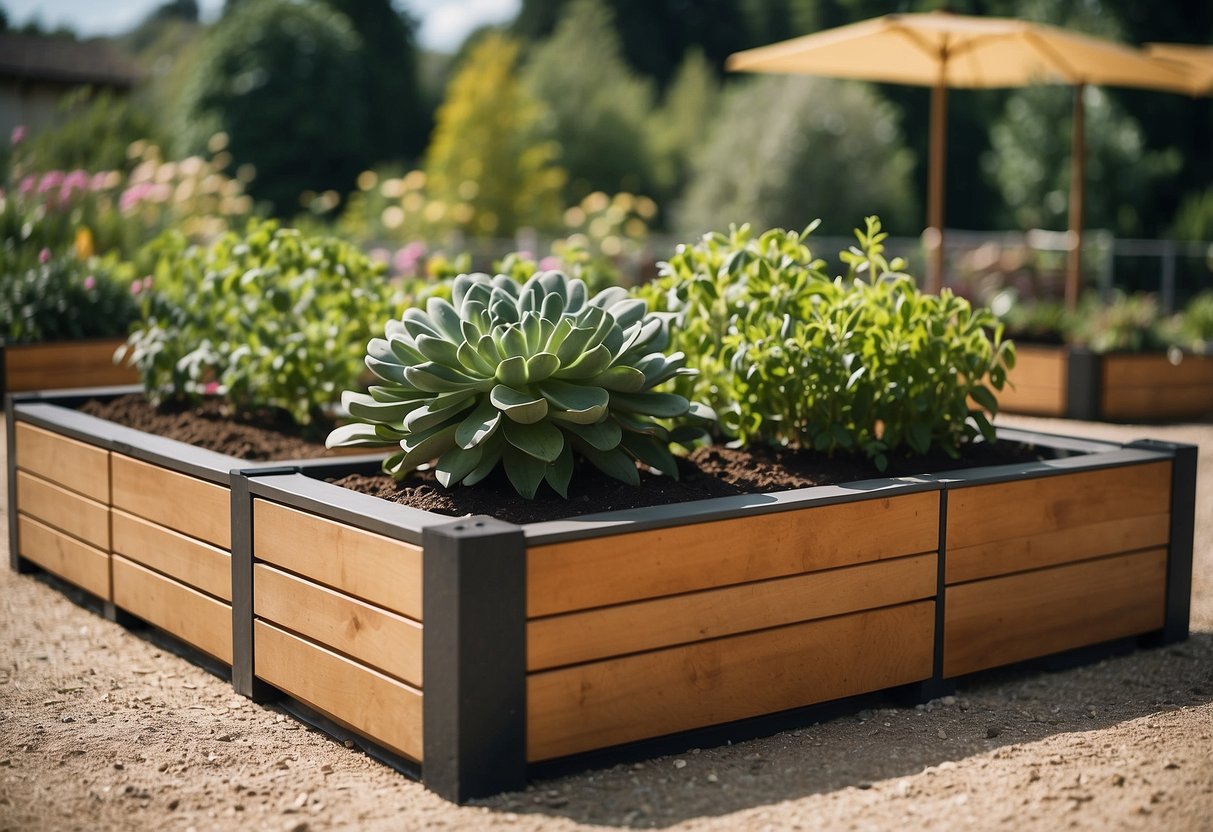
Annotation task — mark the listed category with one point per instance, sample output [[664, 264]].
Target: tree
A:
[[1030, 161], [398, 119], [487, 154], [687, 111], [598, 106], [787, 150], [280, 78]]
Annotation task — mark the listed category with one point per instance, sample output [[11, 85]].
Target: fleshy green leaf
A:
[[542, 440], [526, 408], [602, 436], [525, 472], [560, 472], [479, 425], [456, 464], [355, 435]]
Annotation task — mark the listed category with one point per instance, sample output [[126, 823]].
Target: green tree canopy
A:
[[788, 149], [281, 78], [487, 166], [598, 105]]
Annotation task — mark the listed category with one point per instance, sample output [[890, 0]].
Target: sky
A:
[[444, 23]]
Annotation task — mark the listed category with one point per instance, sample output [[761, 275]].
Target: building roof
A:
[[65, 61]]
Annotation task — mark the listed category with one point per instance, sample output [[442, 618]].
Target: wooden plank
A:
[[1025, 508], [1156, 402], [384, 640], [368, 566], [648, 625], [66, 364], [581, 574], [77, 466], [1037, 384], [195, 618], [1016, 617], [645, 695], [375, 705], [194, 563], [1020, 554], [1157, 370], [85, 566], [65, 510], [185, 504]]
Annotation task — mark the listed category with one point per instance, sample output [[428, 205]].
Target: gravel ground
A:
[[101, 728]]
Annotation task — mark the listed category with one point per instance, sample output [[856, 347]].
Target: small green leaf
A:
[[479, 425], [513, 371], [560, 472], [456, 464], [355, 435], [525, 472], [662, 405], [603, 436]]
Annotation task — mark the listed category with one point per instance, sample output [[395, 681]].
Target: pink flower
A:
[[136, 287], [147, 283], [90, 283], [27, 185], [50, 180], [551, 263], [380, 255], [18, 135], [406, 259], [212, 387], [44, 256]]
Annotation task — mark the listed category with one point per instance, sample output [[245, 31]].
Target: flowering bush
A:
[[63, 298]]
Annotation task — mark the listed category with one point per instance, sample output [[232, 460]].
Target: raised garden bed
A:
[[62, 365], [139, 521], [476, 650], [1078, 384]]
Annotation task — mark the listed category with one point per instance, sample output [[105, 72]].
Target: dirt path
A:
[[101, 728]]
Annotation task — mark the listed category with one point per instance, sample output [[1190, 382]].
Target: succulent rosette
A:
[[531, 376]]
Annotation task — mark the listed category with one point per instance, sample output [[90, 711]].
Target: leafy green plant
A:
[[861, 363], [527, 375], [270, 318], [64, 298], [1128, 323], [1195, 329]]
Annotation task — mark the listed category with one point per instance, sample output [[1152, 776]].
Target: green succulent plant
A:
[[528, 375]]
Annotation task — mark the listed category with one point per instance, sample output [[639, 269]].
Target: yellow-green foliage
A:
[[487, 172]]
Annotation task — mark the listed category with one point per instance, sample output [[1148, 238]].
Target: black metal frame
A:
[[474, 569]]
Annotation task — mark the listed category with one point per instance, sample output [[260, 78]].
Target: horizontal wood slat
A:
[[365, 700], [1023, 508], [647, 625], [384, 640], [620, 700], [581, 574], [194, 563], [77, 466], [191, 616], [65, 365], [85, 566], [183, 503], [1020, 554], [1037, 384], [66, 510], [369, 566], [1156, 402], [1156, 370], [1016, 617]]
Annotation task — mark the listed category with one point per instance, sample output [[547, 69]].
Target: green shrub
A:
[[1128, 323], [864, 362], [267, 318], [1196, 323], [528, 376], [62, 298]]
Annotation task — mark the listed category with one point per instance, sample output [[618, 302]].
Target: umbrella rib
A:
[[1067, 71]]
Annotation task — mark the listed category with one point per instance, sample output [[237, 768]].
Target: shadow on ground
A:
[[885, 742]]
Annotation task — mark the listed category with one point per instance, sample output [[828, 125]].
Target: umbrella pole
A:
[[1078, 163], [938, 140]]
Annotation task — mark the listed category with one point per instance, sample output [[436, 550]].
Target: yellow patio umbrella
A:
[[1195, 61], [942, 50]]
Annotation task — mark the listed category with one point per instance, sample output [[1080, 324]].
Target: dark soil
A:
[[255, 436], [708, 472]]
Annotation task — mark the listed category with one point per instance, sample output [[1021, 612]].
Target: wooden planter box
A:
[[473, 652], [62, 365], [477, 651], [1078, 384], [139, 521]]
